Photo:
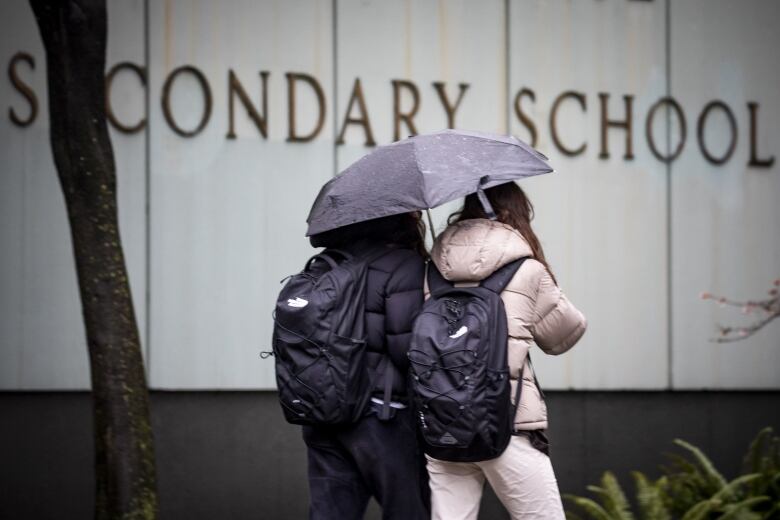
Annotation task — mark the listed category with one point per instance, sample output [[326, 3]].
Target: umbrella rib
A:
[[487, 138], [422, 174], [519, 145]]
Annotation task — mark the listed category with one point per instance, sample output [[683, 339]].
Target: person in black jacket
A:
[[374, 457]]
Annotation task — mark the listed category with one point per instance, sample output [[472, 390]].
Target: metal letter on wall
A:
[[292, 78], [407, 117], [554, 122], [523, 117], [754, 159], [649, 129], [23, 89], [141, 73], [357, 95], [626, 124], [236, 88], [448, 107], [166, 106], [709, 107]]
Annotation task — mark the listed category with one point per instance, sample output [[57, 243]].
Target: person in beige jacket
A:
[[469, 250]]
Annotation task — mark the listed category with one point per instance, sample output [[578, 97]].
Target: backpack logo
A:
[[460, 332], [447, 438], [298, 302]]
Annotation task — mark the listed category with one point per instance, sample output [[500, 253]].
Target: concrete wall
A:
[[210, 224], [231, 455]]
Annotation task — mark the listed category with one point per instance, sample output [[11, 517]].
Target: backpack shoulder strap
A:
[[518, 395], [329, 256], [519, 391], [387, 388], [498, 281], [333, 253], [533, 371], [436, 282], [320, 256]]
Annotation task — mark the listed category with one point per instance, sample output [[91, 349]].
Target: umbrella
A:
[[420, 173]]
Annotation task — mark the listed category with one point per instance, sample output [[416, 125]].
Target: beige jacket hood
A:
[[537, 311]]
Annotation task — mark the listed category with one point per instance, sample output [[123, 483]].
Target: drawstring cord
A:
[[439, 365]]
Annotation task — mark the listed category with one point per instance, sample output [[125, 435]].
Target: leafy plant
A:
[[691, 488]]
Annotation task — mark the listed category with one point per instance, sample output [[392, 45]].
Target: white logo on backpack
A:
[[297, 302], [460, 332]]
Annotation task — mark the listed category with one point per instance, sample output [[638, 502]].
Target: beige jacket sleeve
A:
[[557, 325]]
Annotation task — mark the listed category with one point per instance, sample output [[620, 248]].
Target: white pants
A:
[[522, 478]]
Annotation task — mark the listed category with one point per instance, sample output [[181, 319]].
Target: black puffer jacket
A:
[[395, 289], [393, 296]]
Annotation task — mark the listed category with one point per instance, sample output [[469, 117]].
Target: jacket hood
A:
[[471, 250]]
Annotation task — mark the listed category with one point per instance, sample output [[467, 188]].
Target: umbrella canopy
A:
[[419, 173]]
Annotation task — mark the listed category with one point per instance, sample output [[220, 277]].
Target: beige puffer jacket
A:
[[537, 310]]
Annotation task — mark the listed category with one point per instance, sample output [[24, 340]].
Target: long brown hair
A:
[[512, 207]]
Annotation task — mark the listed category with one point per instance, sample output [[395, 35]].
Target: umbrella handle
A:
[[486, 207], [430, 225]]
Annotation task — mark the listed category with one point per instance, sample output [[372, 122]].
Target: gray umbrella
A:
[[422, 172]]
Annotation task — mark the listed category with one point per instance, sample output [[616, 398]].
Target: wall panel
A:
[[228, 215], [725, 236], [42, 341], [602, 221]]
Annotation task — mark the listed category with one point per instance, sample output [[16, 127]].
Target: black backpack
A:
[[319, 341], [459, 373]]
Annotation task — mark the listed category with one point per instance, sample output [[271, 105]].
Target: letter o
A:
[[649, 129], [204, 85], [700, 131]]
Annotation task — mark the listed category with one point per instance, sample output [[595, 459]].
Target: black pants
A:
[[350, 464]]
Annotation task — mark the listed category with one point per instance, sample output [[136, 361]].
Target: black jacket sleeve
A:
[[403, 299]]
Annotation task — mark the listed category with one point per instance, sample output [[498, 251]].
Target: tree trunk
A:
[[74, 36]]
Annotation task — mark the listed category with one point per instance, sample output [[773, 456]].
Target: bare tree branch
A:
[[767, 310]]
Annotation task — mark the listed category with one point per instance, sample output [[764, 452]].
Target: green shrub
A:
[[691, 488]]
